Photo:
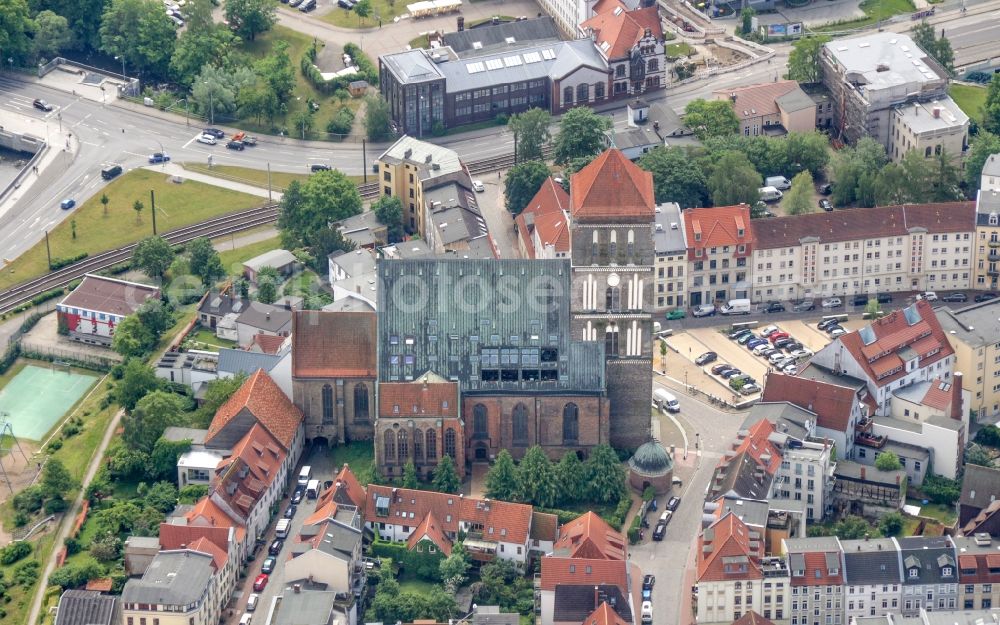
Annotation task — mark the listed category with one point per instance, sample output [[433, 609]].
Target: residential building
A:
[[867, 491], [352, 275], [870, 75], [720, 242], [902, 348], [87, 607], [567, 14], [207, 520], [191, 368], [914, 459], [747, 470], [258, 401], [987, 239], [333, 374], [452, 220], [927, 617], [888, 248], [817, 579], [605, 615], [570, 589], [643, 126], [631, 43], [282, 261], [671, 257], [930, 574], [771, 108], [327, 550], [980, 490], [590, 537], [972, 331], [986, 522], [197, 465], [872, 577], [93, 309], [806, 475], [409, 167], [249, 482], [139, 552], [178, 588], [215, 307], [612, 217], [259, 318], [543, 225], [978, 571], [307, 604], [930, 128], [364, 230], [990, 178], [415, 419]]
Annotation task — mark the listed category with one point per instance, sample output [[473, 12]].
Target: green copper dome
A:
[[651, 459]]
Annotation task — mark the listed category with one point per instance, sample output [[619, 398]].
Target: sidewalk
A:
[[60, 145], [174, 169]]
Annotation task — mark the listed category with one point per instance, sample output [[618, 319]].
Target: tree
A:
[[388, 210], [163, 459], [202, 43], [733, 180], [988, 435], [537, 479], [581, 133], [852, 528], [16, 27], [204, 261], [56, 479], [991, 109], [454, 568], [363, 9], [978, 455], [106, 548], [307, 208], [342, 122], [217, 392], [140, 32], [711, 118], [153, 414], [803, 61], [324, 242], [888, 461], [746, 20], [267, 284], [937, 48], [983, 145], [941, 490], [802, 150], [132, 339], [276, 69], [191, 493], [798, 200], [303, 123], [104, 202], [138, 379], [919, 175], [153, 256], [522, 183], [83, 17], [531, 132], [502, 478], [945, 178], [410, 476], [571, 476], [891, 186], [250, 17], [446, 478], [676, 176], [52, 33], [854, 172], [378, 120], [162, 496], [605, 475], [891, 524]]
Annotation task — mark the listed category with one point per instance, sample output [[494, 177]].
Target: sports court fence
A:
[[76, 359]]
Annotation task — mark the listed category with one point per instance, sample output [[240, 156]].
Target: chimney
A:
[[297, 588], [937, 112], [862, 473], [897, 480], [956, 396]]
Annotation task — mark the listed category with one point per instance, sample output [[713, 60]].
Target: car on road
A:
[[275, 547], [319, 167], [730, 373], [705, 358], [42, 105], [801, 353], [955, 297], [739, 333], [290, 511], [719, 368], [648, 581], [660, 531], [67, 204], [260, 582], [235, 145], [860, 300], [773, 307], [159, 157], [804, 306], [298, 494], [825, 189], [826, 205], [109, 172], [269, 564], [837, 331], [703, 310], [207, 139], [647, 613], [478, 186], [982, 297], [831, 302], [215, 132], [673, 503], [677, 313]]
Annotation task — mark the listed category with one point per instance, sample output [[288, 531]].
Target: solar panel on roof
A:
[[532, 57], [512, 61], [474, 67], [548, 54], [494, 64]]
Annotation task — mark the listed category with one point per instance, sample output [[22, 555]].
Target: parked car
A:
[[478, 186], [703, 310], [307, 6], [677, 313], [731, 373], [705, 358], [777, 336], [832, 302], [207, 139], [770, 351], [739, 333], [719, 368], [955, 297], [837, 331], [275, 547], [756, 342], [67, 204], [773, 307], [290, 511], [297, 495], [884, 298], [860, 300], [235, 145], [673, 503], [762, 347], [826, 205], [825, 189], [803, 352], [215, 132], [791, 347], [930, 296], [268, 566], [743, 340], [833, 326], [42, 105], [648, 581], [252, 602], [804, 306], [767, 331], [260, 582], [776, 356], [790, 369], [660, 531], [982, 297], [749, 389]]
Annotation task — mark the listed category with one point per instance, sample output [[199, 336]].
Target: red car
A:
[[260, 582]]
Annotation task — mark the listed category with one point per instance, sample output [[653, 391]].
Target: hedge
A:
[[366, 70], [41, 298], [59, 263], [423, 564], [30, 322]]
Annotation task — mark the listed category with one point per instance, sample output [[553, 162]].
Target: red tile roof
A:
[[431, 399], [604, 615], [267, 403], [323, 512], [816, 573], [718, 227], [204, 545], [108, 295], [509, 522], [937, 397], [268, 343], [727, 551], [430, 529], [547, 215], [617, 30], [893, 333], [557, 571], [760, 99], [244, 477], [980, 564], [207, 519], [333, 344], [611, 189], [589, 536], [101, 584], [831, 403], [752, 618], [346, 489]]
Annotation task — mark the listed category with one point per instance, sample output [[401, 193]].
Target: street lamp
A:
[[122, 58]]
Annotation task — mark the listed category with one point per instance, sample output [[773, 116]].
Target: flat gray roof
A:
[[977, 325], [920, 117], [668, 237], [411, 66], [175, 578], [195, 435], [271, 258], [503, 35], [308, 607], [882, 60], [812, 543], [795, 100]]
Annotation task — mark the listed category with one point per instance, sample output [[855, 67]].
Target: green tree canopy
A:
[[388, 210], [522, 183], [251, 17], [939, 48], [140, 32], [799, 199], [454, 569], [803, 62], [83, 17], [16, 28], [891, 524], [446, 478], [733, 180], [888, 461], [849, 167], [991, 109], [502, 479], [276, 69], [676, 176], [204, 261], [163, 459], [581, 134], [268, 281], [306, 208], [153, 256], [571, 475], [137, 380], [153, 414], [217, 392], [378, 120], [537, 478], [132, 339], [976, 454], [605, 475], [52, 34], [532, 131], [410, 476], [711, 118], [202, 43], [56, 479]]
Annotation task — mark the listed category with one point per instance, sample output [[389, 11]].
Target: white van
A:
[[312, 489], [647, 613], [245, 619], [281, 530], [736, 307], [778, 182], [304, 475], [769, 194], [666, 401], [252, 602]]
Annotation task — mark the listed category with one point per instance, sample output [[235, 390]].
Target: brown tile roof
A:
[[755, 100], [728, 539], [432, 399], [110, 296], [549, 203], [557, 571], [618, 31], [244, 477], [752, 618], [205, 515], [865, 223], [333, 344], [719, 226], [204, 545], [267, 403], [101, 584], [816, 572], [430, 529], [509, 522], [612, 188], [984, 567], [831, 403], [937, 397], [589, 536], [544, 526], [346, 489], [984, 515], [604, 615], [323, 512], [268, 343]]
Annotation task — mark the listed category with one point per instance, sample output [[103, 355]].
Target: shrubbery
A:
[[59, 263], [14, 552]]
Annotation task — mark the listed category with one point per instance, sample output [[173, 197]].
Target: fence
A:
[[75, 358]]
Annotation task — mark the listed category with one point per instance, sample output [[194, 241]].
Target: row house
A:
[[817, 579], [872, 577], [978, 571], [720, 243], [987, 247], [980, 494], [930, 574], [327, 549], [671, 257], [972, 332]]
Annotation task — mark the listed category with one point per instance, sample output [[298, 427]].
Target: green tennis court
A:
[[38, 397]]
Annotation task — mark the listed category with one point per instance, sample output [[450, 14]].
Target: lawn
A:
[[970, 98], [410, 582], [176, 205], [20, 597], [234, 259], [206, 336], [256, 177], [384, 9], [943, 514], [875, 10], [360, 455], [676, 50]]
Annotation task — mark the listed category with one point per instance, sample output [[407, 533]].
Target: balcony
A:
[[993, 272], [992, 243], [871, 440], [864, 426], [993, 256]]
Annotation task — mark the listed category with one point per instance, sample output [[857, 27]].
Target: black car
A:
[[42, 105], [660, 531], [774, 307], [983, 297], [730, 373], [673, 503], [860, 300], [110, 171], [319, 167], [290, 511], [719, 368], [648, 581], [955, 297], [804, 306], [705, 358], [235, 145], [738, 332], [215, 132], [297, 495], [782, 343], [884, 298], [829, 329], [826, 205], [275, 547], [791, 347]]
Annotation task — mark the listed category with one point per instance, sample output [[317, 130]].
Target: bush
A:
[[30, 322], [941, 490], [14, 552], [72, 546], [20, 518], [41, 298], [364, 64], [70, 430], [55, 505], [59, 263], [55, 444], [29, 500], [341, 122], [26, 573]]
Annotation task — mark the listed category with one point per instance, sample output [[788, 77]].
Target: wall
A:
[[345, 425], [321, 568], [803, 120]]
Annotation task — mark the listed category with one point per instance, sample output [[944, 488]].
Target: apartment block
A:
[[987, 239], [929, 128], [772, 108], [720, 242], [930, 574], [671, 257], [872, 577], [817, 578], [978, 571]]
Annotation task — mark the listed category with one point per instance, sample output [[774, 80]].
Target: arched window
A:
[[582, 93], [630, 249], [599, 91], [571, 423], [403, 446], [432, 445], [568, 96], [613, 247], [594, 249], [360, 402], [519, 420], [327, 403], [613, 298], [418, 445], [389, 446], [449, 443], [480, 423], [611, 341]]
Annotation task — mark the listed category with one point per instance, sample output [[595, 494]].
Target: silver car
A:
[[703, 310]]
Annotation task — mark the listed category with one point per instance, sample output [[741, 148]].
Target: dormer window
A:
[[993, 219], [697, 235], [914, 573], [946, 571], [739, 232]]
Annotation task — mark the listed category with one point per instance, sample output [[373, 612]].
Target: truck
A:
[[312, 489], [769, 194], [736, 307]]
